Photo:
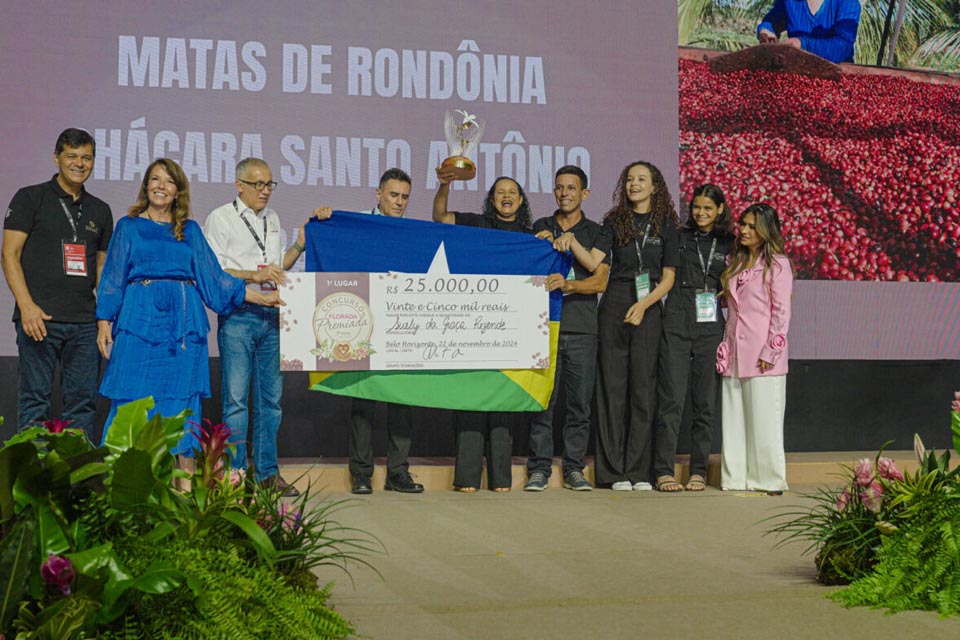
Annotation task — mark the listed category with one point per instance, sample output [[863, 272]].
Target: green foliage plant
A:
[[844, 527], [95, 540], [911, 558]]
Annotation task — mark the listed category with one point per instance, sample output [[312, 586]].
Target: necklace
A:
[[155, 221]]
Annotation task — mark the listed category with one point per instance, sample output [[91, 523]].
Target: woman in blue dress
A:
[[159, 274]]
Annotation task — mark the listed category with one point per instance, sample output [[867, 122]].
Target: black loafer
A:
[[402, 483], [362, 486]]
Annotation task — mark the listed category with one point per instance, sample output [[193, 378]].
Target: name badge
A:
[[706, 306], [266, 285], [74, 258], [641, 280]]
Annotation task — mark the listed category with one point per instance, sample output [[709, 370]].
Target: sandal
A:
[[501, 489], [465, 489], [668, 484], [696, 483]]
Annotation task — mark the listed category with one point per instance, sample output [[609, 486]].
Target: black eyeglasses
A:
[[260, 185]]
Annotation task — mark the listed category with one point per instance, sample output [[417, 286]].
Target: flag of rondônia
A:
[[351, 242]]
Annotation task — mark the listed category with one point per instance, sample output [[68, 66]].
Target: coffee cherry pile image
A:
[[863, 171]]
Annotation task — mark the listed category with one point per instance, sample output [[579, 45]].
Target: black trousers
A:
[[688, 361], [626, 389], [576, 372], [490, 433], [399, 436]]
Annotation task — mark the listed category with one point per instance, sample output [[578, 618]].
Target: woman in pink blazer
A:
[[753, 355]]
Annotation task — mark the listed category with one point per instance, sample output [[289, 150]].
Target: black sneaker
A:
[[536, 482], [277, 483], [402, 483], [362, 486], [575, 480]]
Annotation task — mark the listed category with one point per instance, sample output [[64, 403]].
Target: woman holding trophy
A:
[[504, 209]]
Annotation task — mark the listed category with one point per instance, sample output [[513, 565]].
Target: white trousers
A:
[[752, 456]]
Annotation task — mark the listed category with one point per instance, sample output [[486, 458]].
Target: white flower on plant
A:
[[918, 448]]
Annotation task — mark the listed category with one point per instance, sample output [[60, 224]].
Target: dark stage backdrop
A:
[[832, 405]]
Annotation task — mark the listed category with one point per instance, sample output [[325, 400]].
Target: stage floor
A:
[[602, 564], [436, 474]]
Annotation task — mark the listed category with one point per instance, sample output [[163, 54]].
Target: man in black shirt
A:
[[591, 244], [55, 239]]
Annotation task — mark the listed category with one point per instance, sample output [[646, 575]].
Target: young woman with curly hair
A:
[[645, 257]]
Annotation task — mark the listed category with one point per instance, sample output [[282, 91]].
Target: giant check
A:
[[381, 321]]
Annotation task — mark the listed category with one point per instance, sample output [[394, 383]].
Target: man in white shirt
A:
[[245, 235]]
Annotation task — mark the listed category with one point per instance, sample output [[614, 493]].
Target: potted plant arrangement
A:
[[98, 543], [893, 537]]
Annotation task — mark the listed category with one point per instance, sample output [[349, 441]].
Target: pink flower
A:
[[888, 469], [723, 358], [214, 440], [955, 405], [843, 500], [57, 571], [289, 521], [872, 497], [778, 342], [237, 476], [56, 426], [863, 472]]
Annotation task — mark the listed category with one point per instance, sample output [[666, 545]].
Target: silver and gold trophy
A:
[[462, 131]]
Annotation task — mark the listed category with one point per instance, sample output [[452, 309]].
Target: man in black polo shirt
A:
[[55, 238], [570, 230]]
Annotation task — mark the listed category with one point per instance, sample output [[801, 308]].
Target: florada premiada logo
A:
[[342, 325]]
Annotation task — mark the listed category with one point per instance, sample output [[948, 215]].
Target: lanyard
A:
[[260, 244], [704, 267], [639, 246], [66, 210]]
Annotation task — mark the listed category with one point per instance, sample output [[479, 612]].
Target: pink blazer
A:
[[757, 322]]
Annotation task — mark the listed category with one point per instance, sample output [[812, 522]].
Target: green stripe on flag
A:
[[465, 390]]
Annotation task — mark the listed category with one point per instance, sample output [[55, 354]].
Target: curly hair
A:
[[661, 205], [723, 225], [180, 211], [523, 211]]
